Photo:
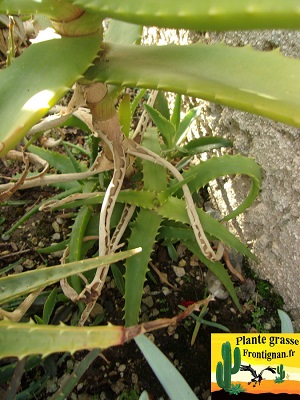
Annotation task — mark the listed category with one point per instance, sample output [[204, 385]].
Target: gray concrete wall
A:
[[271, 227]]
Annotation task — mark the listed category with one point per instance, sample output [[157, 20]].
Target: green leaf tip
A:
[[51, 67]]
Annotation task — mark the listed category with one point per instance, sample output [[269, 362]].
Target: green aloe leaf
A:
[[165, 127], [124, 113], [201, 15], [47, 339], [122, 32], [203, 144], [170, 378], [53, 8], [187, 120], [175, 209], [16, 285], [264, 83], [135, 274], [37, 79], [60, 162], [222, 166]]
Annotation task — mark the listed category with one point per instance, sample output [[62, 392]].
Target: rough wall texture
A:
[[271, 226]]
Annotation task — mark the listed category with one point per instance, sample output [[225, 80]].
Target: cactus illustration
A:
[[281, 373], [224, 372]]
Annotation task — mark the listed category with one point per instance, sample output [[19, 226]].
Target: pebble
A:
[[267, 326], [122, 368], [181, 249], [134, 378], [166, 290], [151, 337], [155, 312], [179, 271], [113, 284], [34, 241], [118, 387], [56, 236], [55, 226], [182, 263], [18, 268], [28, 263], [194, 262], [214, 318], [215, 286], [146, 289], [148, 301], [51, 386]]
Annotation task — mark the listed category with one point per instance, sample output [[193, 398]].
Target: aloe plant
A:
[[75, 50]]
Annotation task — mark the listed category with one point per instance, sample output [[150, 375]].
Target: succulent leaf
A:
[[201, 15], [30, 88], [263, 83]]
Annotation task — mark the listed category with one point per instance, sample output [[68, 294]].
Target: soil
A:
[[123, 372]]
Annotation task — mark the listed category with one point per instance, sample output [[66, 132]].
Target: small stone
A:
[[118, 387], [148, 301], [176, 336], [134, 378], [181, 249], [41, 244], [151, 337], [215, 286], [206, 395], [55, 226], [179, 272], [194, 261], [154, 312], [122, 368], [182, 263], [146, 289], [113, 284], [267, 326], [80, 386], [166, 290], [18, 268], [214, 318], [51, 386], [28, 263], [34, 241], [56, 236], [14, 246]]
